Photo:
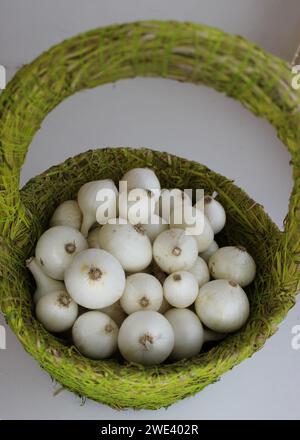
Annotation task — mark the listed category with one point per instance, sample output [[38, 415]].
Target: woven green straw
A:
[[180, 51]]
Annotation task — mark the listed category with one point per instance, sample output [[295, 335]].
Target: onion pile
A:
[[136, 270]]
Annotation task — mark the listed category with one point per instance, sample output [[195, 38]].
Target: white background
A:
[[187, 120]]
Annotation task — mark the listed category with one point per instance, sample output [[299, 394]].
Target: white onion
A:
[[233, 263], [67, 214], [95, 335], [143, 178], [56, 249], [128, 243], [212, 248], [56, 311], [44, 284], [214, 211], [146, 337], [188, 333], [95, 279], [200, 271], [174, 250], [180, 289], [222, 306], [97, 201], [142, 292], [195, 223]]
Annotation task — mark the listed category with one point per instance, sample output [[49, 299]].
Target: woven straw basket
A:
[[179, 51]]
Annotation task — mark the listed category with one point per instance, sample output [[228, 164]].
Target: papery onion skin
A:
[[233, 263], [222, 306], [44, 284], [174, 250], [141, 178], [57, 311], [200, 271], [95, 279], [128, 243], [146, 337], [56, 249], [90, 201], [142, 292], [195, 223], [214, 212], [181, 289], [67, 213], [95, 335], [188, 333]]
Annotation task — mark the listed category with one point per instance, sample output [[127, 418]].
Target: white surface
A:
[[183, 119]]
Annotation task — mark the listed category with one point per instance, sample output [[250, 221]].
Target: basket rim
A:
[[182, 51]]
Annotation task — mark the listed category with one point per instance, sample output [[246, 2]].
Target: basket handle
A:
[[181, 51]]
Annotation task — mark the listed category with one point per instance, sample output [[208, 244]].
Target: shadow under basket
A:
[[180, 51]]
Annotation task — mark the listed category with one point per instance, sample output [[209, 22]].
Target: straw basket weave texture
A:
[[180, 51]]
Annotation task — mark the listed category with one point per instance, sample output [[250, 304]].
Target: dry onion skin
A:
[[188, 333], [214, 212], [95, 279], [95, 335], [141, 178], [173, 250], [222, 306], [146, 337], [44, 284], [91, 197], [56, 311], [181, 289], [200, 271], [233, 263], [142, 292], [67, 213], [128, 243], [56, 249], [195, 223]]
